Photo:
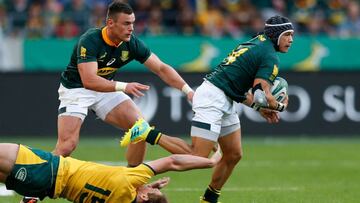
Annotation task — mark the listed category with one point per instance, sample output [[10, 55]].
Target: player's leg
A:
[[33, 173], [124, 115], [232, 153], [202, 147], [203, 141], [230, 144], [142, 131], [209, 103], [73, 109], [117, 109], [8, 153], [174, 145], [216, 119], [68, 134]]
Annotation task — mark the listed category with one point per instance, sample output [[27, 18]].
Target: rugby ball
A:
[[279, 89]]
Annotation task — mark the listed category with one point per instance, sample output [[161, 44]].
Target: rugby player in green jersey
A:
[[87, 83], [251, 65], [38, 173]]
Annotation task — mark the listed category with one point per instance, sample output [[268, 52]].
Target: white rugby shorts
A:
[[214, 113], [77, 102]]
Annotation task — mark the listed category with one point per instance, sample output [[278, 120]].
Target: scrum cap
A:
[[275, 27]]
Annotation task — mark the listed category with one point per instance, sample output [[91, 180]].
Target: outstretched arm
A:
[[91, 81], [183, 162], [168, 75]]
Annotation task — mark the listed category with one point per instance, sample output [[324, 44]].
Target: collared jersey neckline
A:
[[107, 39]]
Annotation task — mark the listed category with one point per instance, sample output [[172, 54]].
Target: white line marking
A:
[[267, 163], [236, 189], [5, 192]]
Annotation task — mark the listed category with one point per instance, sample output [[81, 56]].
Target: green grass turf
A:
[[280, 170]]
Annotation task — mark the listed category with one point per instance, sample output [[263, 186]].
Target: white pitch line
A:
[[5, 192], [267, 163], [236, 189]]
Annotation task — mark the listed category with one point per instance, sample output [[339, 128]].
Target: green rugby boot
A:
[[138, 132]]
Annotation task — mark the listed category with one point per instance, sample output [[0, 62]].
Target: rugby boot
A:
[[138, 132], [30, 200]]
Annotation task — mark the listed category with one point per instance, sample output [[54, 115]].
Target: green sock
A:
[[211, 195]]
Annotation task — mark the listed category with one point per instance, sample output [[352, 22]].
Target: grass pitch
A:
[[279, 170]]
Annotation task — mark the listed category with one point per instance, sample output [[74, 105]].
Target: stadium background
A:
[[322, 68]]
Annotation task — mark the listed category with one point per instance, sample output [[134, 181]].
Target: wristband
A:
[[120, 86], [255, 106], [186, 89], [280, 107]]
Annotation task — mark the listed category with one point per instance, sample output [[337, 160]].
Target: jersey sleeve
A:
[[86, 50], [268, 68], [141, 51], [139, 175]]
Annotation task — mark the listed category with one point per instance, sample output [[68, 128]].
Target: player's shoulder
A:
[[260, 48], [136, 43], [265, 48], [263, 44], [92, 33]]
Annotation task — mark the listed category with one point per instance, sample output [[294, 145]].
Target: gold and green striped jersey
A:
[[88, 182]]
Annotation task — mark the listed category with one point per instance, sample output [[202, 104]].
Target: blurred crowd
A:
[[214, 18]]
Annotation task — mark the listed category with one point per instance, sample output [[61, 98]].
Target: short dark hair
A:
[[118, 7]]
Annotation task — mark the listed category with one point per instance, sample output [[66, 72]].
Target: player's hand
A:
[[162, 182], [271, 116], [136, 89], [286, 101], [190, 96], [216, 157]]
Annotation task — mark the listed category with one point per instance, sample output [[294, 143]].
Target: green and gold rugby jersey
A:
[[88, 182], [256, 58], [95, 46]]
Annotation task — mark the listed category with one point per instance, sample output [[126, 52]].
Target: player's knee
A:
[[65, 148], [134, 162], [233, 158], [68, 150], [63, 151]]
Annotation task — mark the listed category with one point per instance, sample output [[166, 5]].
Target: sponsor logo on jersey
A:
[[102, 57], [274, 73], [83, 52], [112, 60], [124, 55], [234, 54], [21, 174], [262, 38], [105, 71]]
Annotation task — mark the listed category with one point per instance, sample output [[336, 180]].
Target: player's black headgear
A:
[[275, 27]]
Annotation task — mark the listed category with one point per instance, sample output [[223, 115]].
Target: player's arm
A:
[[270, 115], [183, 162], [91, 81], [261, 96], [265, 87], [168, 75]]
